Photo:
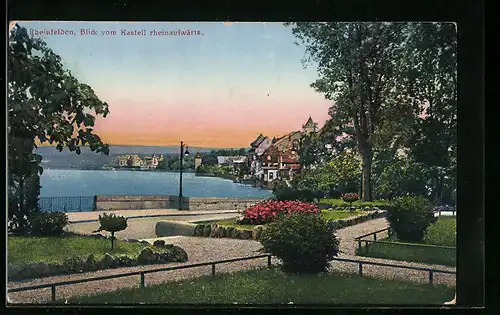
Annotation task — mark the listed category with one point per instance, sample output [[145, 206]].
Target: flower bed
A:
[[159, 253], [267, 211]]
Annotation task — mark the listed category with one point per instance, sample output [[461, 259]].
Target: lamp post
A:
[[182, 154]]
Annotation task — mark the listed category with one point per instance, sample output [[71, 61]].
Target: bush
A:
[[303, 241], [410, 217], [283, 192], [111, 223], [268, 211], [350, 197], [49, 223]]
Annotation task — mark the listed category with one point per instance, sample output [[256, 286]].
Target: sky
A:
[[218, 89]]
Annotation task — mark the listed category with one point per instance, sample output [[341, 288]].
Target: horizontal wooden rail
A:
[[372, 233], [409, 244], [361, 263]]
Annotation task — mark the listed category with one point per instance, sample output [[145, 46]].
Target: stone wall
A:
[[104, 203]]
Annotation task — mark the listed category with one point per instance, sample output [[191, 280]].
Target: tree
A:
[[341, 175], [432, 52], [357, 72], [380, 77], [45, 104], [111, 223]]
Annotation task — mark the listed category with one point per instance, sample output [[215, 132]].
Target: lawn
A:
[[271, 286], [441, 233], [326, 214], [23, 250], [358, 203]]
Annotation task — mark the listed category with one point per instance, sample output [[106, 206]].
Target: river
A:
[[72, 183]]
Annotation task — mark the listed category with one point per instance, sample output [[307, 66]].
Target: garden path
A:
[[210, 249], [144, 228]]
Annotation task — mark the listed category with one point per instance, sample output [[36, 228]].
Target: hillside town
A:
[[267, 160]]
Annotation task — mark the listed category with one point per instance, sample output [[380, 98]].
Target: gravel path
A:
[[211, 249], [76, 217], [145, 227]]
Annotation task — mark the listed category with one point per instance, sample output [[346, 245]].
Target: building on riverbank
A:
[[280, 160], [135, 161]]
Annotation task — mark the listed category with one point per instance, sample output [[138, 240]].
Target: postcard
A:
[[232, 163]]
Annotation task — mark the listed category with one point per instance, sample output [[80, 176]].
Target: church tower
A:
[[197, 160], [310, 126]]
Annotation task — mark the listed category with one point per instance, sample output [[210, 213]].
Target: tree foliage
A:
[[339, 175], [380, 77], [112, 223], [45, 104]]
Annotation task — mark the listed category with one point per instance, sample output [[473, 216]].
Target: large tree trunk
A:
[[366, 165]]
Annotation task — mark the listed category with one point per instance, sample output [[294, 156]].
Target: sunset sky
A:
[[217, 89]]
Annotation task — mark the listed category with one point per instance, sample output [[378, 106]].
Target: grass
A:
[[23, 250], [271, 286], [441, 233], [326, 214]]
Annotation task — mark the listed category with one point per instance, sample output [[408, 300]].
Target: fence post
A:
[[52, 204], [142, 280], [374, 236], [53, 292], [269, 261], [431, 277], [213, 270], [80, 205], [360, 268]]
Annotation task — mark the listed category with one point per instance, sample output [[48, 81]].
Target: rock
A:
[[223, 231], [256, 232], [133, 240], [145, 243], [236, 234], [91, 263], [73, 264], [207, 230], [229, 231], [179, 254], [246, 234], [107, 261], [214, 230], [40, 269], [159, 243], [54, 269], [145, 256], [198, 230]]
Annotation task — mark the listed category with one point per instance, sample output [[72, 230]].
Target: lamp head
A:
[[186, 152]]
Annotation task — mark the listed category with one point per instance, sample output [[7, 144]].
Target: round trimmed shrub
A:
[[305, 242], [410, 217]]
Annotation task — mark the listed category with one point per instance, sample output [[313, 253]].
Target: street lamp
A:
[[182, 154]]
